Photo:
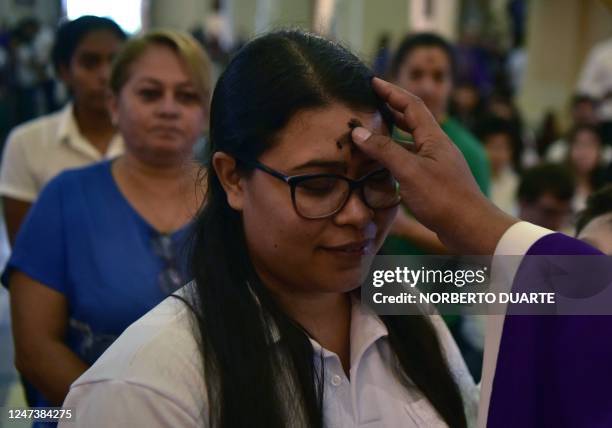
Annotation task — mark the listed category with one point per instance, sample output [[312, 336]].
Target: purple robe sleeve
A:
[[552, 370]]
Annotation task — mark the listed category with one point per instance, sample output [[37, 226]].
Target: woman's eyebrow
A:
[[184, 84], [147, 79], [187, 84], [321, 163]]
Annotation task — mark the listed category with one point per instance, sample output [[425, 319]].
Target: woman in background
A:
[[584, 160], [272, 332], [80, 134], [100, 247]]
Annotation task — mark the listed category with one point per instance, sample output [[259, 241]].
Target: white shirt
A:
[[503, 190], [152, 376], [38, 150], [596, 77]]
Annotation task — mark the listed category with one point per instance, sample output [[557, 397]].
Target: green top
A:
[[472, 150], [476, 158]]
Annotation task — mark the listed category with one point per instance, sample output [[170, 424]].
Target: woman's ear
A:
[[230, 178]]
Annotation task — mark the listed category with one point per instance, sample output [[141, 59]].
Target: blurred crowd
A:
[[27, 82], [548, 176], [542, 173]]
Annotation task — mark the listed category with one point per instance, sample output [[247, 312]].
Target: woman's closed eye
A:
[[319, 186], [188, 97], [149, 94]]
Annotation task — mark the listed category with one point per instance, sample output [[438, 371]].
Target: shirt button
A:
[[336, 380]]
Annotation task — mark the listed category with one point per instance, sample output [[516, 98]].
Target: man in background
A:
[[545, 196]]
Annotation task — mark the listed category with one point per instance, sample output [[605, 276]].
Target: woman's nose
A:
[[355, 212], [168, 105]]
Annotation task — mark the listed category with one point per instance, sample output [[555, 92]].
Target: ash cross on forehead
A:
[[352, 124]]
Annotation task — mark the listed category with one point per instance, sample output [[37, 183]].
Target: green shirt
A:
[[476, 158], [472, 150]]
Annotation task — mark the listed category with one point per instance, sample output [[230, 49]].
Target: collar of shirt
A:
[[366, 329], [68, 133]]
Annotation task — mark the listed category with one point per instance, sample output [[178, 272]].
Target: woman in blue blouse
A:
[[102, 244]]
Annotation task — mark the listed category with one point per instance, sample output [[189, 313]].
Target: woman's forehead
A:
[[322, 133]]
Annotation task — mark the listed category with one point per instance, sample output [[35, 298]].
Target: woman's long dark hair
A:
[[597, 174], [257, 375]]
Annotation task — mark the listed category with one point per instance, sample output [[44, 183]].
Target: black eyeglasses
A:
[[317, 196], [170, 278]]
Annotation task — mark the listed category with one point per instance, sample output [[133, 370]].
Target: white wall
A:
[[359, 23], [177, 14]]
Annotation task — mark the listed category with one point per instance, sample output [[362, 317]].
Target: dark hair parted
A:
[[579, 98], [598, 204], [260, 368], [546, 178], [597, 175], [577, 129], [422, 40], [493, 125], [70, 34]]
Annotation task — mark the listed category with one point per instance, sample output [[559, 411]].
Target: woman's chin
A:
[[345, 282]]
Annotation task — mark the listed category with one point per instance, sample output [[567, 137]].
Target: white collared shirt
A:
[[38, 150], [152, 376], [503, 190]]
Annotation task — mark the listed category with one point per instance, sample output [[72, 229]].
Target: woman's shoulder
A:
[[84, 177], [157, 356], [95, 171]]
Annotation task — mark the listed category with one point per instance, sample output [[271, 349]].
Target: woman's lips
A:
[[167, 130], [355, 248]]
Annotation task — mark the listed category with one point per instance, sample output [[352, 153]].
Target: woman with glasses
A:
[[272, 332], [102, 245]]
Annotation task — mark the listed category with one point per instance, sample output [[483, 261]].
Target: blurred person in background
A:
[[584, 160], [547, 134], [474, 61], [545, 196], [498, 139], [382, 56], [466, 105], [80, 134], [594, 224], [424, 65], [103, 244], [595, 80], [583, 111], [501, 104], [32, 44]]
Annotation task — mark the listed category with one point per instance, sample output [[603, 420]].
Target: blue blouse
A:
[[83, 239]]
